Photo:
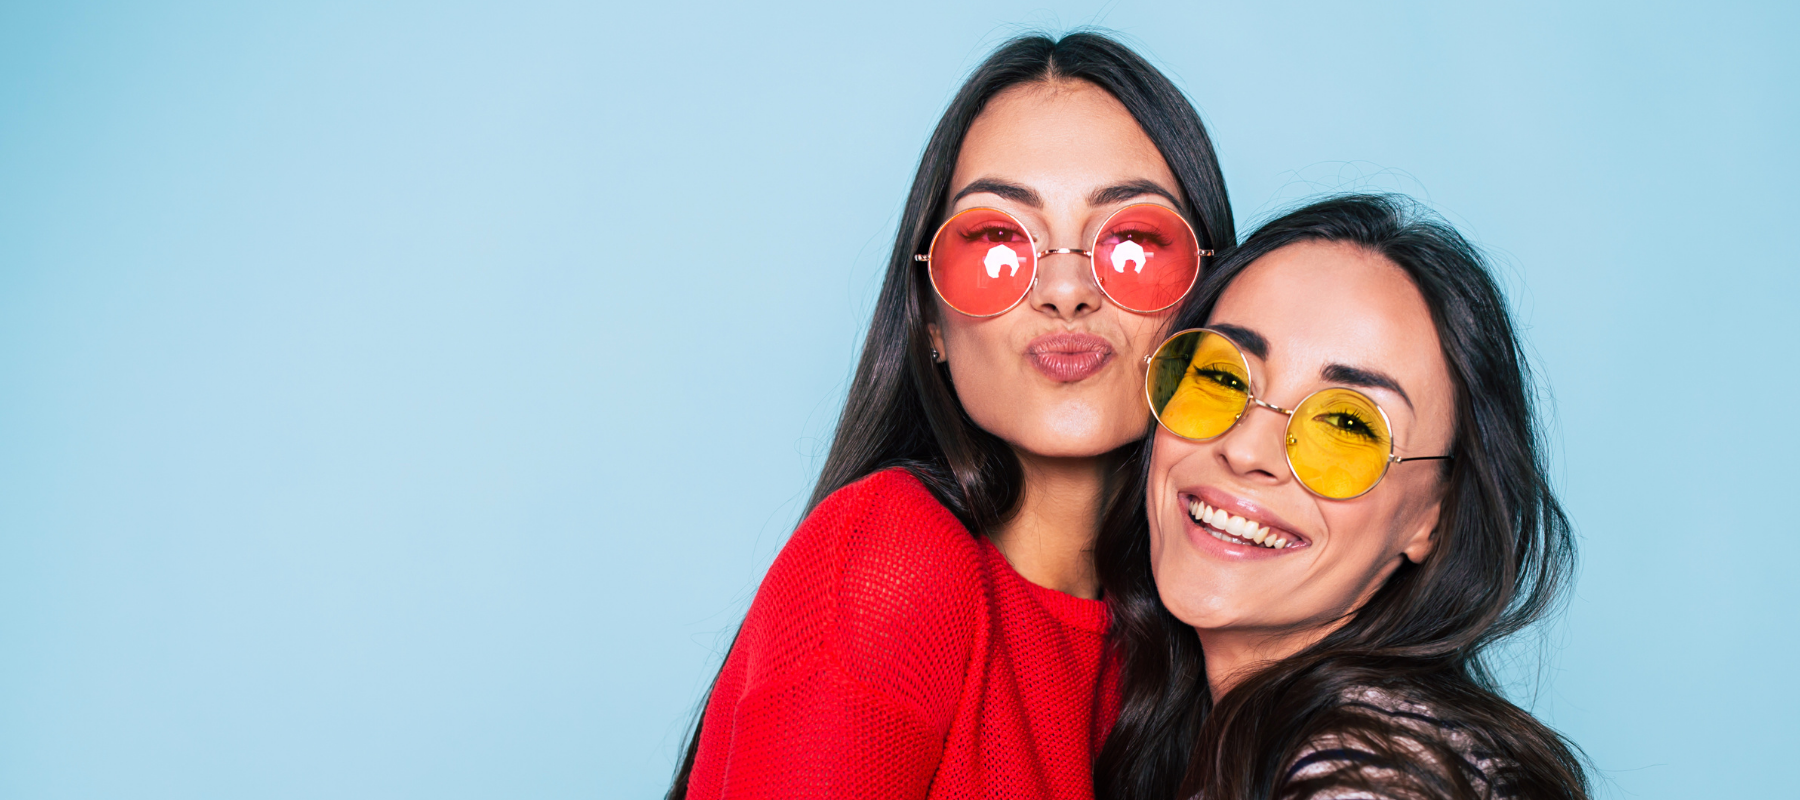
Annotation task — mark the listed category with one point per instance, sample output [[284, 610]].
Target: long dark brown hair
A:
[[901, 409], [1502, 552]]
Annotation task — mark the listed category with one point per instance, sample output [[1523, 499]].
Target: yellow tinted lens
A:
[[1198, 384], [1338, 443]]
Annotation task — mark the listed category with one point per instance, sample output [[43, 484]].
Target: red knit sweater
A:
[[890, 654]]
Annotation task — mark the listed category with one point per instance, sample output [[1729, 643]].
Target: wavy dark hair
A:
[[901, 409], [1502, 553]]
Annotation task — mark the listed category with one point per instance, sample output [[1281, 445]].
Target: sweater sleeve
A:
[[846, 675]]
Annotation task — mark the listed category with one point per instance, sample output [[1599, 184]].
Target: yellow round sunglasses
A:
[[1339, 442]]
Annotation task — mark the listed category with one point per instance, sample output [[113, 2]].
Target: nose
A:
[[1253, 449], [1065, 286]]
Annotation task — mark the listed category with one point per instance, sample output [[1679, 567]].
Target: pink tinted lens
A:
[[982, 262], [1146, 258]]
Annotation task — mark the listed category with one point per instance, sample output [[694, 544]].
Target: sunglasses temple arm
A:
[[1399, 460]]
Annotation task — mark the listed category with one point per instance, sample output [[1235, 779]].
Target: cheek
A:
[[962, 333], [979, 359], [1359, 530], [1140, 334], [982, 370], [1143, 332], [1367, 538], [1172, 459], [1420, 510]]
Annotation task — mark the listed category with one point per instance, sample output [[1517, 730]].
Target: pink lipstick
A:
[[1236, 529], [1069, 356]]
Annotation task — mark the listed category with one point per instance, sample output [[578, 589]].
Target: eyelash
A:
[[1150, 237], [1357, 426], [1222, 378], [994, 233]]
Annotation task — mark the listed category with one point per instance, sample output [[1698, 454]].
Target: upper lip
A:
[[1069, 342], [1248, 510]]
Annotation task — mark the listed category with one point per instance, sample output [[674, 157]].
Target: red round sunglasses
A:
[[983, 261]]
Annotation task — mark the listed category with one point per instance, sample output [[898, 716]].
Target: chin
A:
[[1081, 446], [1198, 593], [1077, 432], [1202, 613]]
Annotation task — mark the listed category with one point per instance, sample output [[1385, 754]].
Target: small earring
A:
[[934, 356]]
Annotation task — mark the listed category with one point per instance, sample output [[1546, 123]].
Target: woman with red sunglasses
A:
[[934, 627]]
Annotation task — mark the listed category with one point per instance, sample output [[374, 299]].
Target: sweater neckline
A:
[[1075, 612]]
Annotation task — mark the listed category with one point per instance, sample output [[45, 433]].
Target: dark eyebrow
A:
[[1101, 197], [1250, 340], [1365, 378], [1127, 191], [1010, 191]]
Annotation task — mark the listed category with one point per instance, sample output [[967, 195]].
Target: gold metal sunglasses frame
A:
[[1093, 268]]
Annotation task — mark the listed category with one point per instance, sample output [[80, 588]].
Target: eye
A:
[[1221, 377], [1145, 237], [994, 234], [1348, 423]]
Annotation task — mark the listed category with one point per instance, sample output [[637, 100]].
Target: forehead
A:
[[1319, 303], [1064, 133]]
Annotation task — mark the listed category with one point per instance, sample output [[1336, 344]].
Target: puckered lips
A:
[[1069, 356], [1235, 528]]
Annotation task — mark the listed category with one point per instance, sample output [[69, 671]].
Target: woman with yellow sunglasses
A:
[[1346, 507], [933, 628]]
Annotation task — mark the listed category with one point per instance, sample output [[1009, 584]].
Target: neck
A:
[[1051, 540], [1233, 655]]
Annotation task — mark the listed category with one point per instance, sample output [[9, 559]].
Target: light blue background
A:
[[353, 445]]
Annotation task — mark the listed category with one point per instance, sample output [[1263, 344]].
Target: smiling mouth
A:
[[1233, 529]]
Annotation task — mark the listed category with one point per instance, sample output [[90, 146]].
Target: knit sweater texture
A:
[[890, 654]]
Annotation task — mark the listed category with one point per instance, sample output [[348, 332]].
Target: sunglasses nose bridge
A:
[[1271, 406]]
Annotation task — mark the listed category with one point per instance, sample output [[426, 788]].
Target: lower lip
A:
[[1070, 367], [1201, 536]]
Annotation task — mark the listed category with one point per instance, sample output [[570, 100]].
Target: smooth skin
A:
[[1315, 305], [1061, 157]]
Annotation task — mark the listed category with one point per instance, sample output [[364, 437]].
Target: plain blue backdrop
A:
[[403, 400]]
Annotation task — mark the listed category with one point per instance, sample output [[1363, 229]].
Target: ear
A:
[[937, 341], [1417, 545]]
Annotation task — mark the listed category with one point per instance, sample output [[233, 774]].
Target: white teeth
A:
[[1234, 529]]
